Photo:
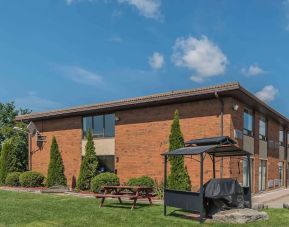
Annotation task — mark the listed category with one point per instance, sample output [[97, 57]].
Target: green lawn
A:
[[27, 209]]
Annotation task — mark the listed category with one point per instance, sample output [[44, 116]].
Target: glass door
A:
[[262, 175]]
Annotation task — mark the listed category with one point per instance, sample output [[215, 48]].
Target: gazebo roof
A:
[[216, 146], [221, 140]]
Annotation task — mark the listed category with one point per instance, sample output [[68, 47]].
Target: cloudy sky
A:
[[62, 53]]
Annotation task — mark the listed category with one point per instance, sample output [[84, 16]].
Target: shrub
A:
[[55, 174], [12, 179], [89, 164], [159, 189], [141, 181], [179, 178], [109, 179], [31, 179]]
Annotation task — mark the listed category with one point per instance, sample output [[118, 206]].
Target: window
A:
[[281, 136], [281, 173], [248, 122], [101, 125], [246, 173], [262, 175], [106, 163], [288, 138], [262, 128]]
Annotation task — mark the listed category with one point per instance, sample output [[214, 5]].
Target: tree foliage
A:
[[89, 165], [55, 174], [178, 178]]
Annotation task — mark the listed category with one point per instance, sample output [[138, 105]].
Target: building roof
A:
[[233, 89]]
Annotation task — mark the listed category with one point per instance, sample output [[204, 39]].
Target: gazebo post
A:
[[214, 167], [201, 187], [249, 174], [165, 184]]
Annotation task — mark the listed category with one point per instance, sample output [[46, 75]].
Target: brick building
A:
[[131, 134]]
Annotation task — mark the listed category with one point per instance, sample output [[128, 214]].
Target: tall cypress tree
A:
[[89, 164], [4, 161], [55, 174], [178, 178]]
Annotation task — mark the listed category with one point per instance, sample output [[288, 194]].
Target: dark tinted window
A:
[[109, 121], [248, 122], [262, 128], [87, 124], [98, 125], [101, 125]]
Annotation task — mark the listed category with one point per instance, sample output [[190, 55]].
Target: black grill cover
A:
[[223, 194]]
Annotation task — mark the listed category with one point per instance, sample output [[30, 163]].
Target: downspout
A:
[[286, 157], [221, 129]]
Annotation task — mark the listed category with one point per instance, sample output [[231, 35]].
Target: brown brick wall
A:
[[142, 135], [68, 133]]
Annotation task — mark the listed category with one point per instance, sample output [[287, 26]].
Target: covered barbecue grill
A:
[[197, 201]]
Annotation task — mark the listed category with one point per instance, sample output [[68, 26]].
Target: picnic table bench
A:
[[127, 192]]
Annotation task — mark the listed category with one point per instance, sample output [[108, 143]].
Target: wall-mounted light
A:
[[235, 107], [117, 118]]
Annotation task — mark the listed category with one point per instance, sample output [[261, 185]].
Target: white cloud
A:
[[156, 61], [147, 8], [80, 75], [200, 55], [252, 70], [268, 93], [36, 103]]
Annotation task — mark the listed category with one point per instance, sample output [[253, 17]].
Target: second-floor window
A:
[[101, 125], [281, 136], [248, 122], [263, 128], [288, 138]]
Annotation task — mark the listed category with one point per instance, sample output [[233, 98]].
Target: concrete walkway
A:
[[274, 199]]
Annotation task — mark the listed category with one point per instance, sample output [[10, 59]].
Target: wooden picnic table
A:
[[127, 192]]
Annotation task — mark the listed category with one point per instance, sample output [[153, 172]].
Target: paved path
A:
[[273, 199]]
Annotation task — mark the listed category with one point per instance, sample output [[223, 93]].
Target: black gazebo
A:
[[215, 147]]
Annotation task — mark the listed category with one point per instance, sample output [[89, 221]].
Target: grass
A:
[[27, 209]]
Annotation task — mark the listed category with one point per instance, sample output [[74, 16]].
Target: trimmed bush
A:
[[109, 179], [31, 179], [145, 181], [55, 174], [89, 165], [179, 178], [12, 179]]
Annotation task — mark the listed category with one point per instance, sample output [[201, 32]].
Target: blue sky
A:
[[62, 53]]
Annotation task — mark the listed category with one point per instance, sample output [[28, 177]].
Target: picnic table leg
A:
[[119, 199], [150, 200], [134, 203], [101, 203]]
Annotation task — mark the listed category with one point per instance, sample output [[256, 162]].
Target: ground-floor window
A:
[[281, 173], [262, 175], [246, 173], [106, 163]]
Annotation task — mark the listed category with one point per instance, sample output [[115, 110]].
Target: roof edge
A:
[[131, 101]]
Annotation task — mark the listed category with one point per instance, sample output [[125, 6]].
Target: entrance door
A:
[[262, 175]]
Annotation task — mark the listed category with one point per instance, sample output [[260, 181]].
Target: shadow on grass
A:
[[185, 215], [126, 205]]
